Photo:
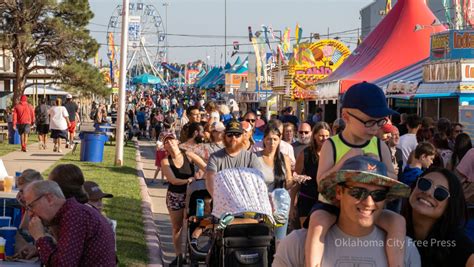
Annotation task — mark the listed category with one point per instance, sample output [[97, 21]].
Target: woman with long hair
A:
[[276, 168], [441, 142], [435, 216], [462, 144], [178, 168], [307, 164]]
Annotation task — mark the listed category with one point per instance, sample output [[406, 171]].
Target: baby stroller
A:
[[196, 253], [241, 192]]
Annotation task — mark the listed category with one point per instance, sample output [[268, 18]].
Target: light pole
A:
[[166, 4], [120, 125], [225, 32]]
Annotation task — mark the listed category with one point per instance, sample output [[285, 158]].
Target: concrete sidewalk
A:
[[35, 158], [157, 194]]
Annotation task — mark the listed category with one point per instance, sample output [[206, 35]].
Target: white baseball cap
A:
[[68, 96]]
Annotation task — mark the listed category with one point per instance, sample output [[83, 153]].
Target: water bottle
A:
[[200, 208]]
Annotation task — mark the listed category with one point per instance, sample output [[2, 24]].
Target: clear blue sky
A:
[[206, 17]]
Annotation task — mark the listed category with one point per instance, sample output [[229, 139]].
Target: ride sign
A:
[[313, 62]]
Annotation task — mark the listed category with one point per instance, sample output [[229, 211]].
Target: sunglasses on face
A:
[[250, 120], [440, 193], [230, 135], [304, 132], [370, 123], [361, 193]]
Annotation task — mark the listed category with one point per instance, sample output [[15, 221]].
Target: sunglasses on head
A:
[[440, 193], [361, 193], [230, 135], [304, 132]]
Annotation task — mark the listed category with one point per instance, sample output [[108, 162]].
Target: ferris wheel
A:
[[146, 38]]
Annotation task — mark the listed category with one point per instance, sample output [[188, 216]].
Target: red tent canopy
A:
[[391, 46]]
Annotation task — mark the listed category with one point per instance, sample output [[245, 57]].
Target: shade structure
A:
[[146, 79], [391, 46]]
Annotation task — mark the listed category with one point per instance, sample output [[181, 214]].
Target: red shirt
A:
[[23, 113], [85, 238]]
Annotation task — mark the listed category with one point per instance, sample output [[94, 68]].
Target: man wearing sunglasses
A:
[[304, 138], [361, 187], [231, 156]]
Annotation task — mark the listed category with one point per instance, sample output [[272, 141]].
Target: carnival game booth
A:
[[392, 46]]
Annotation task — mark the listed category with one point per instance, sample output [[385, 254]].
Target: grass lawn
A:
[[6, 148], [125, 206]]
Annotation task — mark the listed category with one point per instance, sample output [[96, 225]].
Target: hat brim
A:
[[234, 131], [328, 185], [379, 112]]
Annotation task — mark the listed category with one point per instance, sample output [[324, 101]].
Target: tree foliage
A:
[[50, 36]]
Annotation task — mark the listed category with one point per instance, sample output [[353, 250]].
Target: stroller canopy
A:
[[240, 190]]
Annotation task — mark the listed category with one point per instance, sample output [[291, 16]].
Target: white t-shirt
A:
[[407, 144], [339, 252], [58, 118]]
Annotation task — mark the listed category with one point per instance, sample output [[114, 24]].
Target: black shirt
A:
[[452, 252], [71, 108]]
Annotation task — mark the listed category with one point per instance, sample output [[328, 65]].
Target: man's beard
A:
[[231, 148], [305, 140]]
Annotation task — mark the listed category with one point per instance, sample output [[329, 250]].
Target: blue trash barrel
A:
[[98, 129], [14, 137], [92, 146]]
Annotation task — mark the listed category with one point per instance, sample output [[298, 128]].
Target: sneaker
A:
[[67, 145], [60, 151], [55, 148]]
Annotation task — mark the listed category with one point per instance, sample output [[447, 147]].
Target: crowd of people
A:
[[359, 178], [59, 120], [362, 190]]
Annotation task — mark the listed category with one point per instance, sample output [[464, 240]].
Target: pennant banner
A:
[[298, 33], [286, 40]]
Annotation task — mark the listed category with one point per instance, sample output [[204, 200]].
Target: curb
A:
[[155, 256]]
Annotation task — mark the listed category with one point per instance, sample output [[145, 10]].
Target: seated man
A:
[[361, 186], [83, 236]]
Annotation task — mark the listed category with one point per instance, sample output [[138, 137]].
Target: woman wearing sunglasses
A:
[[435, 217]]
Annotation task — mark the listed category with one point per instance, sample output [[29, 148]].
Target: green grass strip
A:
[[125, 206]]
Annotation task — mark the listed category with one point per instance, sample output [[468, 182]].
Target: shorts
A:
[[72, 127], [160, 154], [59, 134], [175, 201], [23, 128], [321, 206], [304, 205], [142, 126], [42, 128]]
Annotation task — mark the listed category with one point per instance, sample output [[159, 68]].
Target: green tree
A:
[[51, 36]]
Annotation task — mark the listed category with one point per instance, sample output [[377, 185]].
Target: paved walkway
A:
[[35, 158], [157, 193]]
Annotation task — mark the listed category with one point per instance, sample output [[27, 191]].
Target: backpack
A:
[[41, 114], [93, 114]]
